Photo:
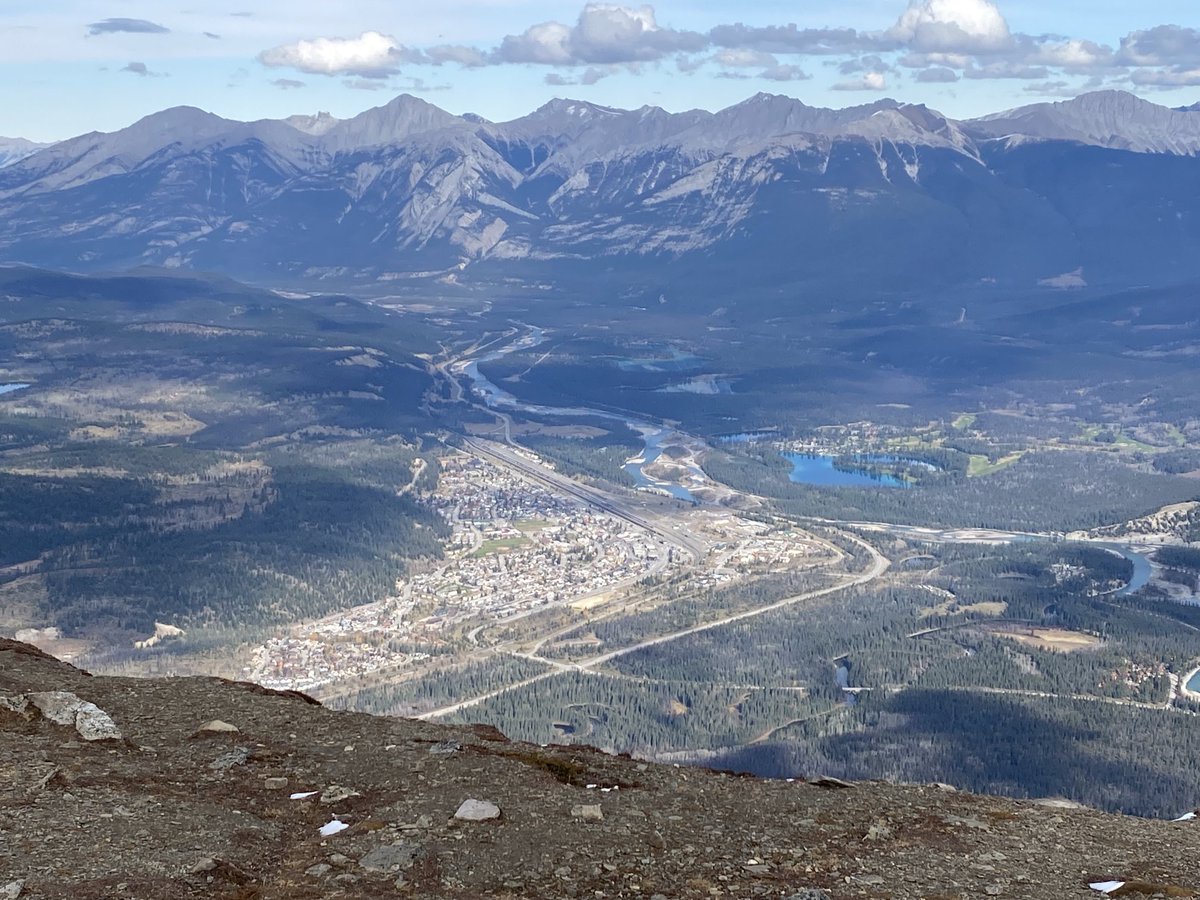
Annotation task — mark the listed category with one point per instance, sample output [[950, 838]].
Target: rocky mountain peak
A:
[[1116, 120], [315, 125], [395, 121]]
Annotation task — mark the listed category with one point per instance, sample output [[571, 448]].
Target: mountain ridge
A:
[[904, 195]]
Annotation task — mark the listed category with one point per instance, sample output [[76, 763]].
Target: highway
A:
[[879, 565]]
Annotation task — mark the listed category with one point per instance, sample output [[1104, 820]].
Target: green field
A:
[[981, 465], [500, 545]]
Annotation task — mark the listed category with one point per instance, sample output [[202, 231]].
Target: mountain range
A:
[[1102, 189]]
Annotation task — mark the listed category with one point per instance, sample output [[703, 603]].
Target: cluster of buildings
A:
[[305, 663], [743, 547], [1134, 675], [515, 548]]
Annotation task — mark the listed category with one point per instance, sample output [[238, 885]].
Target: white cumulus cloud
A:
[[871, 81], [952, 26], [604, 34], [548, 44], [942, 40], [370, 55]]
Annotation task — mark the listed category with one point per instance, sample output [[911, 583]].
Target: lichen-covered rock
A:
[[65, 708], [57, 706], [94, 724], [16, 703]]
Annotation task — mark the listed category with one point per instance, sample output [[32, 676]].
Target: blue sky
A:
[[71, 66]]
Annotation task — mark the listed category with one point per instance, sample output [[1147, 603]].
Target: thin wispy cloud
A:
[[142, 70], [127, 26]]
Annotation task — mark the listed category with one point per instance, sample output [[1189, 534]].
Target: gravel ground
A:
[[171, 810]]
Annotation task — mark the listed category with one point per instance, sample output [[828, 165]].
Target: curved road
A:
[[879, 565]]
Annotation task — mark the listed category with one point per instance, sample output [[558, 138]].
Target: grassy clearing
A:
[[500, 545], [1056, 639], [980, 465], [963, 422], [1175, 436], [952, 608], [913, 443], [1092, 434]]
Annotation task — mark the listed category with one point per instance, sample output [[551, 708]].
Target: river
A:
[[1141, 569], [655, 438]]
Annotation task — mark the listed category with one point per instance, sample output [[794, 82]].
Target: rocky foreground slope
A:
[[219, 789]]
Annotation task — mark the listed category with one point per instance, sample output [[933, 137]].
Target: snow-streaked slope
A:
[[165, 135], [13, 150], [408, 187]]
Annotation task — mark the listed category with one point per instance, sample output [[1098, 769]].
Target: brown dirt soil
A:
[[171, 813]]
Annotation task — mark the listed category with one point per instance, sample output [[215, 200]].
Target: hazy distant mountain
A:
[[769, 190], [16, 149], [1112, 119], [318, 124]]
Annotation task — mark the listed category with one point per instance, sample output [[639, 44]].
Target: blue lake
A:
[[9, 388], [821, 471]]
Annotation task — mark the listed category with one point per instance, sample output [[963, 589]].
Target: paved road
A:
[[1086, 698], [879, 565]]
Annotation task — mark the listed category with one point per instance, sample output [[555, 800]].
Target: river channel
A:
[[655, 438]]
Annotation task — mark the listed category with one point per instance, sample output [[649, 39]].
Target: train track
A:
[[536, 473]]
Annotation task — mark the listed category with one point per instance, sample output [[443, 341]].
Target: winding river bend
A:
[[655, 438]]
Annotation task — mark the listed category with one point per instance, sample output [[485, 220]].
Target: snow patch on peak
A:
[[13, 150], [561, 106]]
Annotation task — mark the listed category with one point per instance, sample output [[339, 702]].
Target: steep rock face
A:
[[288, 799], [900, 194]]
